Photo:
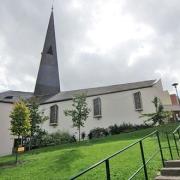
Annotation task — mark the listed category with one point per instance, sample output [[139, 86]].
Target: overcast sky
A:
[[99, 42]]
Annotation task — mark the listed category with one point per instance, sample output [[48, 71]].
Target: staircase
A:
[[171, 171]]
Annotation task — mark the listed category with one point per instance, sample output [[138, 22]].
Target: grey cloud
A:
[[24, 23]]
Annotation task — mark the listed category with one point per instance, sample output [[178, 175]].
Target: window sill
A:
[[138, 109], [98, 116], [53, 124]]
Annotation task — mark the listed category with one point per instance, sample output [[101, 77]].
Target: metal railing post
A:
[[143, 160], [178, 134], [160, 148], [169, 145], [108, 177], [176, 144]]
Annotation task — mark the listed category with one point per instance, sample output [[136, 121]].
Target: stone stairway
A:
[[171, 171]]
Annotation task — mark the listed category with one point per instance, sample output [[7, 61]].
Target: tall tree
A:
[[37, 118], [20, 121], [79, 113], [159, 116]]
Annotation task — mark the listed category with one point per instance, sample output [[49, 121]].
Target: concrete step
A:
[[172, 171], [167, 178], [172, 163]]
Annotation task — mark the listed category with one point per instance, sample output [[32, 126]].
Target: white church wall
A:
[[163, 95], [6, 140], [116, 109]]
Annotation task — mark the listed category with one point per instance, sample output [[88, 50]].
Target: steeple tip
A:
[[52, 8]]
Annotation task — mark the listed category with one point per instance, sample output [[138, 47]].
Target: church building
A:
[[115, 104]]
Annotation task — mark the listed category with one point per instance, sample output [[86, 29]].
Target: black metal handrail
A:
[[144, 162], [176, 132], [177, 129]]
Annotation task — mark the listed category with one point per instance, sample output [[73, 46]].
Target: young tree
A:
[[37, 118], [20, 121], [160, 115], [79, 113]]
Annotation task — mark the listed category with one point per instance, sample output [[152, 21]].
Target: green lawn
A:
[[62, 162]]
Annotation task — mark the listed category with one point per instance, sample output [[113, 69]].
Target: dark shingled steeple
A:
[[47, 82]]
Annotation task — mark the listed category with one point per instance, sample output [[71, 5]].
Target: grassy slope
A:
[[61, 162]]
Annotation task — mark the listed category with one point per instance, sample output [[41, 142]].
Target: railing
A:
[[144, 161], [176, 132]]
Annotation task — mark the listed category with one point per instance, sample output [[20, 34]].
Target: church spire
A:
[[47, 82]]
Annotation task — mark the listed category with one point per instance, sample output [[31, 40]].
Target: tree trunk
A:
[[21, 140], [29, 143], [17, 150], [79, 133]]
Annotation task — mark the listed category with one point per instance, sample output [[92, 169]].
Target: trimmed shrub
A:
[[37, 140], [98, 132], [115, 129], [83, 135], [45, 139], [60, 137]]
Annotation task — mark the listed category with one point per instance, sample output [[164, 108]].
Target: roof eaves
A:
[[67, 99], [7, 102]]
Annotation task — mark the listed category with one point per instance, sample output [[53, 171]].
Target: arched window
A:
[[138, 101], [54, 115], [97, 107], [8, 97]]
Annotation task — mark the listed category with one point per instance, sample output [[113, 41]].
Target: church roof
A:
[[14, 96], [68, 95]]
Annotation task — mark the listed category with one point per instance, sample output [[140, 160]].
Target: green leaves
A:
[[159, 116], [80, 111], [26, 118], [20, 119], [36, 116]]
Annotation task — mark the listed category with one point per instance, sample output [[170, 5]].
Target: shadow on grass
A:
[[8, 164], [64, 161]]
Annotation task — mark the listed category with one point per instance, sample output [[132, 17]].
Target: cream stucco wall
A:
[[116, 109], [6, 140], [163, 95]]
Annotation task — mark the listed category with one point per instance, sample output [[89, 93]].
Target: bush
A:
[[90, 135], [83, 135], [44, 139], [115, 129], [36, 141], [98, 132], [73, 139], [60, 137]]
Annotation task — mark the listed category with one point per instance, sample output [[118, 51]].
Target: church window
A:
[[8, 97], [54, 115], [138, 101], [50, 50], [97, 107]]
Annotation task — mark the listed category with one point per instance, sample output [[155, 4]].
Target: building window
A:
[[138, 101], [97, 107], [54, 115], [8, 97]]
